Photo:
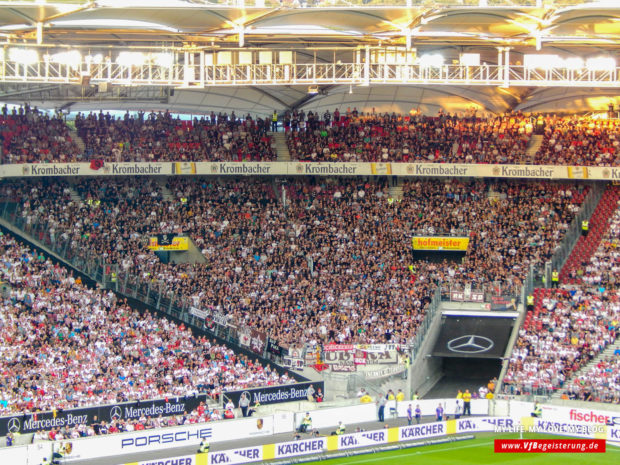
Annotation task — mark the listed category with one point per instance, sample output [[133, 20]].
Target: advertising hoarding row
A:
[[312, 169], [555, 420], [410, 433], [46, 421]]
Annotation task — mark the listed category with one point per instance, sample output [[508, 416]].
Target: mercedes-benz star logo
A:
[[14, 425], [116, 413], [470, 344]]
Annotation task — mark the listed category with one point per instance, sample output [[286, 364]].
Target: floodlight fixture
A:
[[601, 63], [23, 56], [470, 59], [130, 59], [432, 60]]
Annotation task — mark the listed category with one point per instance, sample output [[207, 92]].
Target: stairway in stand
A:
[[78, 141], [279, 139], [532, 147], [608, 352], [396, 191], [598, 225]]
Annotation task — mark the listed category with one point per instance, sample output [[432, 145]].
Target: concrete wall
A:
[[425, 370], [192, 255]]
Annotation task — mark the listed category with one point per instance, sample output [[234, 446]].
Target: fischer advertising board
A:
[[584, 415]]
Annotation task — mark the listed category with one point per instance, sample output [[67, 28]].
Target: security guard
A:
[[407, 365], [113, 277], [204, 447], [467, 403], [341, 428], [306, 423], [537, 413], [585, 226], [555, 278], [58, 456], [530, 302], [274, 121]]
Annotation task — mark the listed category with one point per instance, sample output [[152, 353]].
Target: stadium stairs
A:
[[608, 352], [532, 147], [165, 192], [281, 146], [78, 140], [396, 191], [586, 245]]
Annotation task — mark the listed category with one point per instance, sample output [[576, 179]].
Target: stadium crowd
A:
[[580, 141], [446, 138], [162, 137], [66, 345], [31, 136], [337, 245], [569, 327]]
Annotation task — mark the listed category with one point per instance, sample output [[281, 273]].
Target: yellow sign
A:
[[578, 172], [440, 243], [381, 168], [177, 243], [184, 168]]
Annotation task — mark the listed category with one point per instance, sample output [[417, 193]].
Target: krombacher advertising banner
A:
[[295, 168], [45, 421]]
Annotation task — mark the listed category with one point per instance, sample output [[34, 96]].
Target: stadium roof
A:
[[133, 22], [330, 31]]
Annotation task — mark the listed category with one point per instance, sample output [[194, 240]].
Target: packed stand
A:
[[372, 137], [31, 136], [565, 331], [334, 265], [601, 383], [580, 141], [161, 137], [65, 345], [568, 327]]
